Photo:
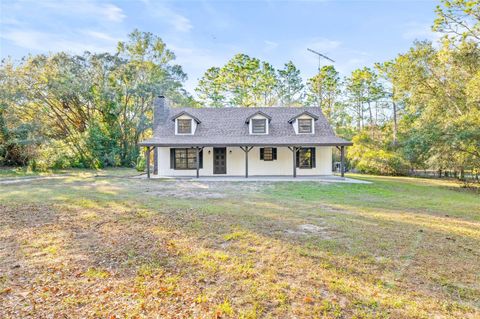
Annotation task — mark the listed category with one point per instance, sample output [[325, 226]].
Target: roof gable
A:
[[258, 113], [187, 114], [303, 113]]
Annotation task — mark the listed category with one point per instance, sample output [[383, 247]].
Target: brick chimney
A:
[[160, 111]]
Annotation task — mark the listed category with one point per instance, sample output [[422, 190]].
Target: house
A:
[[263, 141]]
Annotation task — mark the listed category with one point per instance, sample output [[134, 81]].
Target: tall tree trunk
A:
[[395, 124]]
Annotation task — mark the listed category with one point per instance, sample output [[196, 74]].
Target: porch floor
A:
[[272, 178]]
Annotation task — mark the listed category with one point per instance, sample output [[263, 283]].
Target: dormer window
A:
[[185, 123], [259, 126], [184, 126], [258, 123], [304, 125]]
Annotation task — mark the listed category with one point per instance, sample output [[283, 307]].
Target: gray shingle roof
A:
[[227, 127]]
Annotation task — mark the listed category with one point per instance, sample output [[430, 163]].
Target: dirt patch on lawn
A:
[[203, 190], [310, 229]]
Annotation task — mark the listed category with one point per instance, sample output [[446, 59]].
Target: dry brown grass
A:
[[124, 248]]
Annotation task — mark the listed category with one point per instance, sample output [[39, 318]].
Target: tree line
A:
[[91, 110], [421, 110]]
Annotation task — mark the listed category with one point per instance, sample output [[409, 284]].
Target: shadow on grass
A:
[[185, 256]]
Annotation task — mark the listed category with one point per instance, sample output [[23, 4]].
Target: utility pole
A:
[[320, 57]]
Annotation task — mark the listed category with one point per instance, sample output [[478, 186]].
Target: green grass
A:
[[101, 244]]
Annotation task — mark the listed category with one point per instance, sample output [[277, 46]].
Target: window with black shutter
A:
[[306, 157], [185, 158], [268, 153]]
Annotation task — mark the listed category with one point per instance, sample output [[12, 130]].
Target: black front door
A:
[[220, 160]]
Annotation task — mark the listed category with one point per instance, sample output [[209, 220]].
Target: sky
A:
[[203, 34]]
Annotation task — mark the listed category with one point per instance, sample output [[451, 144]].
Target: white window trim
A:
[[267, 126], [312, 122], [191, 127]]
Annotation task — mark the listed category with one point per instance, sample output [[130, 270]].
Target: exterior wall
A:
[[256, 167]]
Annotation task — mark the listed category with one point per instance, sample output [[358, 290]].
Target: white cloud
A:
[[217, 18], [179, 22], [45, 41], [419, 31], [72, 26], [195, 61], [113, 13], [100, 35], [270, 45], [106, 11], [323, 44]]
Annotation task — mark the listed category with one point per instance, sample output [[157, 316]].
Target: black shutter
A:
[[201, 159], [314, 159], [297, 155], [262, 152], [172, 158], [274, 153]]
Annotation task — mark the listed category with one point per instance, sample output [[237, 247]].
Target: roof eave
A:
[[188, 114], [259, 113], [303, 113], [345, 143]]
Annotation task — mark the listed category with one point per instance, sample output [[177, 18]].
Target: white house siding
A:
[[256, 167]]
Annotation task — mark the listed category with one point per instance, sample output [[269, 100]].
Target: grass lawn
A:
[[105, 245]]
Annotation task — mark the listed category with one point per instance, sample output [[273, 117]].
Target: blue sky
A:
[[208, 33]]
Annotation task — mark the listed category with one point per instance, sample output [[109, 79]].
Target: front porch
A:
[[242, 161]]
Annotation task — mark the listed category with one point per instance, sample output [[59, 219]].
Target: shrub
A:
[[381, 162], [54, 154], [374, 156], [141, 163]]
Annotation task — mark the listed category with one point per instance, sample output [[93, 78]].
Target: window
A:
[[185, 158], [304, 126], [306, 157], [259, 126], [184, 126], [268, 154]]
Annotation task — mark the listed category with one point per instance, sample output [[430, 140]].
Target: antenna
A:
[[320, 56]]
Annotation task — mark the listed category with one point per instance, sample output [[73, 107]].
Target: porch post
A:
[[342, 160], [155, 160], [294, 152], [246, 162], [147, 156], [198, 161], [247, 149]]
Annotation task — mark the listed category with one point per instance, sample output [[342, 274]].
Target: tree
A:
[[243, 81], [210, 88], [324, 89], [364, 91], [458, 19], [87, 110], [388, 71], [290, 85]]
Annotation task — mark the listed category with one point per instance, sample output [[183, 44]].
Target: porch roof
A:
[[217, 142]]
